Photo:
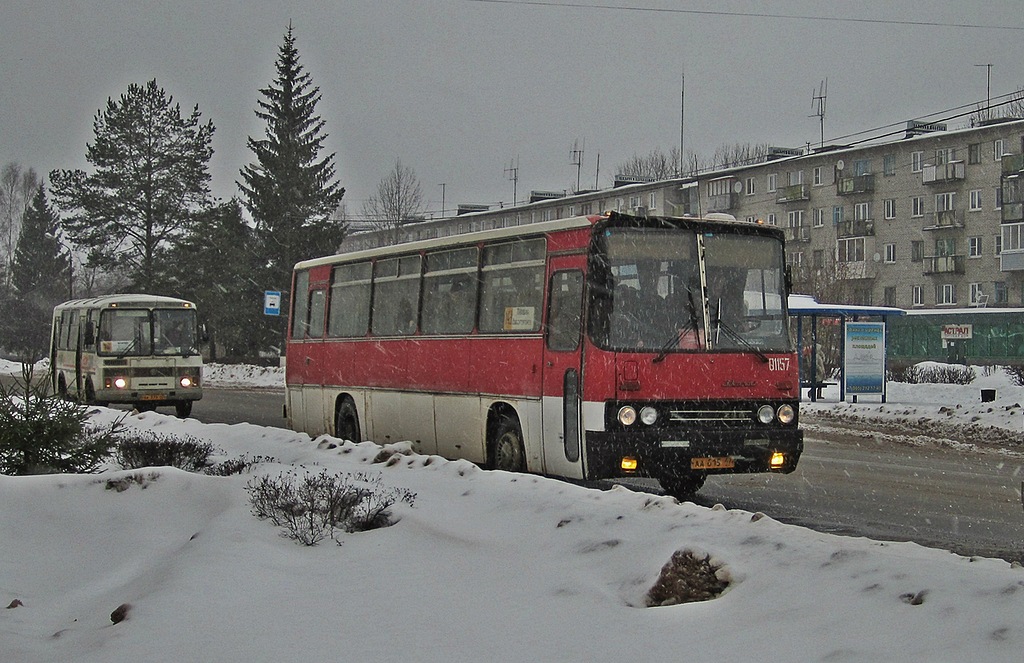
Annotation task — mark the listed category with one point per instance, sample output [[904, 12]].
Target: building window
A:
[[851, 249], [974, 153], [890, 253], [974, 247], [945, 246], [916, 250], [652, 201], [999, 197], [771, 219], [750, 186], [916, 162], [918, 296], [861, 167], [977, 294], [817, 176], [837, 215], [751, 219], [890, 208], [975, 200], [917, 206], [773, 182], [945, 294], [890, 296], [945, 202], [997, 149], [862, 211], [819, 217], [889, 164], [999, 293], [945, 155], [998, 244], [796, 177], [796, 218]]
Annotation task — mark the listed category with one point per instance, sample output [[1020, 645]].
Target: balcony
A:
[[1011, 261], [723, 202], [1013, 212], [856, 269], [794, 193], [1013, 163], [798, 234], [942, 173], [944, 265], [944, 219], [856, 228], [856, 184]]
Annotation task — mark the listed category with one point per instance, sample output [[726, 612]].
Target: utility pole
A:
[[442, 185], [682, 118]]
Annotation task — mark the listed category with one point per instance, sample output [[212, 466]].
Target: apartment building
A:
[[933, 219]]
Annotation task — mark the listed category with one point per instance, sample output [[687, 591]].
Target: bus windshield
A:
[[142, 332], [649, 294]]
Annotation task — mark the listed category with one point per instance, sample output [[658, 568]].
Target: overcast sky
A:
[[460, 89]]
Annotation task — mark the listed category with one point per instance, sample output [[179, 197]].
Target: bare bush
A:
[[149, 449], [686, 578], [312, 507], [933, 374]]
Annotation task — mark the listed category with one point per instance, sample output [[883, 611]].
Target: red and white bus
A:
[[585, 348]]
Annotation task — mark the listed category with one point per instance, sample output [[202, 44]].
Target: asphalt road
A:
[[848, 482]]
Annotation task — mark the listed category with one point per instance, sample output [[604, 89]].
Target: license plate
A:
[[718, 463], [152, 397]]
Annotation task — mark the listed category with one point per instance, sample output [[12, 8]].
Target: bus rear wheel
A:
[[506, 450], [682, 487], [182, 409], [346, 422]]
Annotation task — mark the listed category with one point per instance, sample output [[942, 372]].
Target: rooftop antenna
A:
[[443, 185], [682, 118], [821, 98], [597, 173], [988, 90], [577, 159], [512, 172]]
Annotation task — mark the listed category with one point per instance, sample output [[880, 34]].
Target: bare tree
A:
[[17, 187], [657, 165], [399, 199], [1013, 107]]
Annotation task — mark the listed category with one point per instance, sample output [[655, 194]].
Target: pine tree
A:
[[290, 192], [150, 178]]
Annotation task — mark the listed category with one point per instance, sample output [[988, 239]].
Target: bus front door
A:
[[562, 361]]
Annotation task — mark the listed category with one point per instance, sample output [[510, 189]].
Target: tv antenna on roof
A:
[[821, 98], [577, 159], [512, 172]]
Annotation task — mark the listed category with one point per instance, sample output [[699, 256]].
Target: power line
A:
[[791, 17]]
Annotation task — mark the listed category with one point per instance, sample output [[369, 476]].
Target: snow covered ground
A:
[[484, 566]]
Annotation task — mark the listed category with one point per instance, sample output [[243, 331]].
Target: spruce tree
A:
[[150, 178], [40, 269], [40, 275], [290, 192]]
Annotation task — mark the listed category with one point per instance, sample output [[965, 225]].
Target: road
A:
[[849, 482]]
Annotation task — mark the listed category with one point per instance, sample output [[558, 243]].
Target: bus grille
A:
[[691, 416]]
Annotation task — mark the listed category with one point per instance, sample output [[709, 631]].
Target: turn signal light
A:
[[629, 464], [778, 459]]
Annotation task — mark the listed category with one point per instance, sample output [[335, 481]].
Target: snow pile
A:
[[243, 375], [484, 566]]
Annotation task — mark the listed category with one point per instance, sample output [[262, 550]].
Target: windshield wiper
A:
[[691, 326], [736, 336], [131, 346]]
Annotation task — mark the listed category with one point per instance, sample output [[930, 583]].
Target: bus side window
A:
[[317, 313], [300, 305], [565, 303]]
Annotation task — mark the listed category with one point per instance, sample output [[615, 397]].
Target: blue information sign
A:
[[272, 302]]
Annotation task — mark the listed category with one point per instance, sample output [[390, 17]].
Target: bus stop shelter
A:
[[808, 312]]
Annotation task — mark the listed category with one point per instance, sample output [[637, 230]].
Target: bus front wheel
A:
[[346, 422], [506, 450], [182, 409], [682, 487]]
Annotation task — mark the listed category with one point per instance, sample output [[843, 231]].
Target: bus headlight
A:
[[786, 414], [766, 414], [185, 381], [648, 415], [121, 383], [627, 415]]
